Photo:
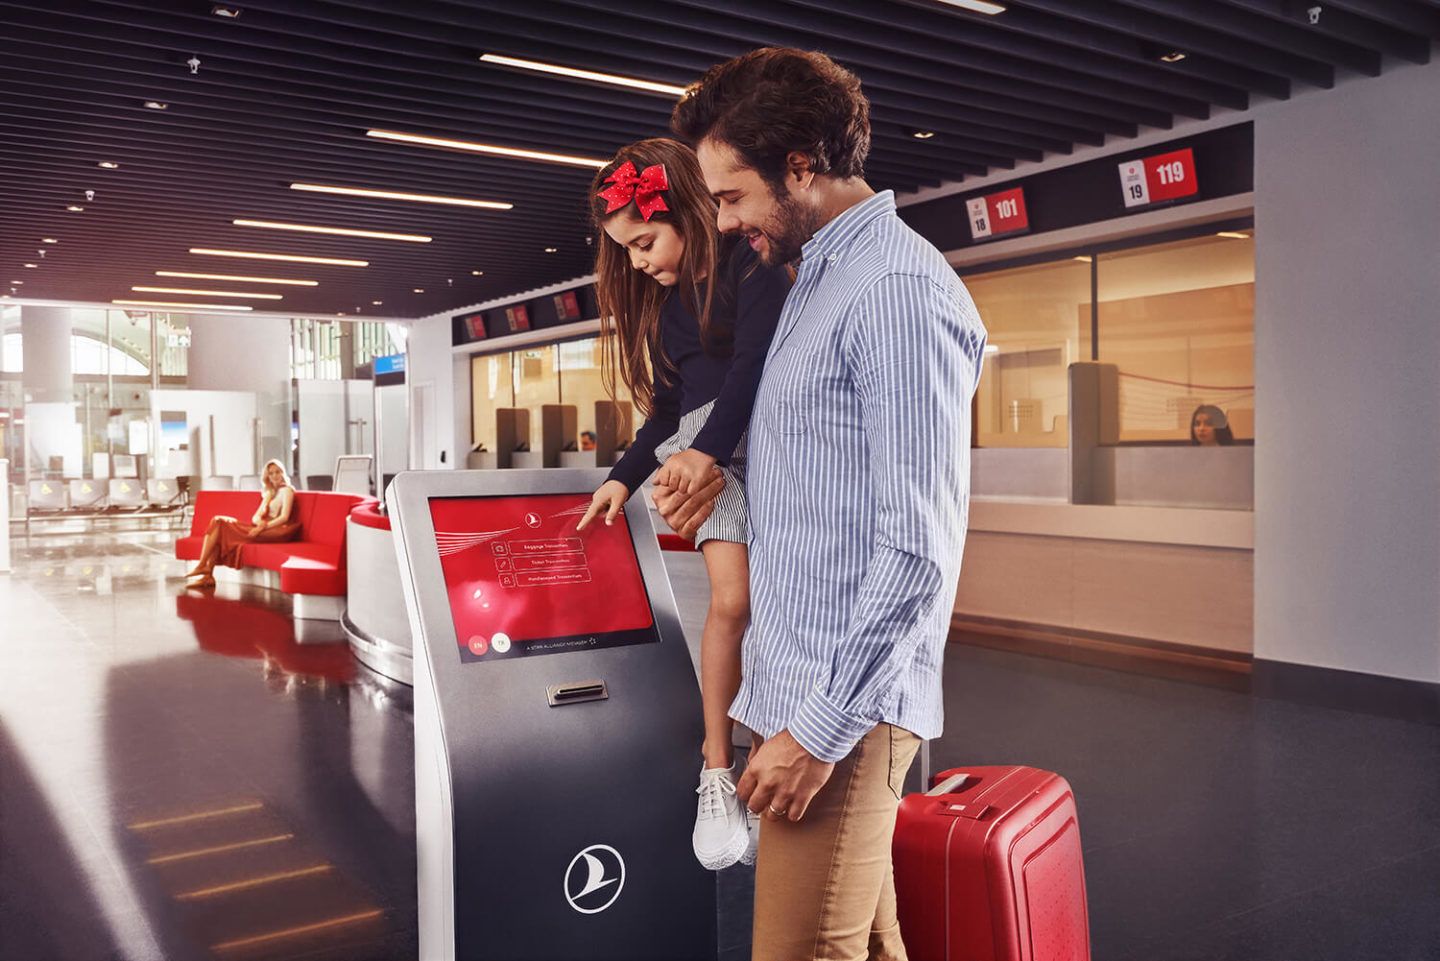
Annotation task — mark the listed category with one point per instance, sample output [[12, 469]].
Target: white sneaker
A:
[[721, 835], [752, 832]]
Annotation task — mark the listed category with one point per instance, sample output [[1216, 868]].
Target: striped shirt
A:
[[859, 487]]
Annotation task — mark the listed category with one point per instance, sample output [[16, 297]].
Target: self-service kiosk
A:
[[557, 724]]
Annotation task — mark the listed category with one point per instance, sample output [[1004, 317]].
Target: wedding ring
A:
[[778, 814]]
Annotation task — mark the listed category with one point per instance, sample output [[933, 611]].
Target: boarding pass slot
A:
[[558, 695]]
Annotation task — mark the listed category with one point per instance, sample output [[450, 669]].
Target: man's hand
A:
[[686, 512], [782, 778], [686, 471]]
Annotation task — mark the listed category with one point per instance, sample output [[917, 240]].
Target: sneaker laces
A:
[[713, 789]]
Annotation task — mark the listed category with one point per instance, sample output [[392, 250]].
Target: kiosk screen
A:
[[522, 580]]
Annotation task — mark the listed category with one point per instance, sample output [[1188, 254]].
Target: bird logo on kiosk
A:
[[594, 879]]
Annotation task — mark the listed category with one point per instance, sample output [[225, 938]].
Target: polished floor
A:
[[180, 779]]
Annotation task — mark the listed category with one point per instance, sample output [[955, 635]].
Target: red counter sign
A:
[[1000, 213], [1163, 177]]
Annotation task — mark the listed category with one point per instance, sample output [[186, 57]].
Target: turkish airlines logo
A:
[[594, 879]]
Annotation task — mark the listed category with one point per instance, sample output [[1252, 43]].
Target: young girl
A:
[[693, 314]]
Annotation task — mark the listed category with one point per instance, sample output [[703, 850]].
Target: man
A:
[[858, 486]]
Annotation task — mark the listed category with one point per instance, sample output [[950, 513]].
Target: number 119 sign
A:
[[1154, 179]]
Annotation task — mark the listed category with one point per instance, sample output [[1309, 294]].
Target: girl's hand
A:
[[611, 496], [687, 471]]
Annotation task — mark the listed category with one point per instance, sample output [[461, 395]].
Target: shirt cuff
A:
[[826, 731]]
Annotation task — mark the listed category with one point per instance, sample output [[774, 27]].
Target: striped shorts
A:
[[730, 519]]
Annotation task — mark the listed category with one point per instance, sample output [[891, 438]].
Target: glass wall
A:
[[1177, 318]]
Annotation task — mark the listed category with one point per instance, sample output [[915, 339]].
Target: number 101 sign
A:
[[1000, 213], [1162, 177]]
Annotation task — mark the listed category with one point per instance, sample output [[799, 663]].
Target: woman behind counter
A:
[[272, 522]]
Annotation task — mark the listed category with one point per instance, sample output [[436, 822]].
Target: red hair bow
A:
[[643, 188]]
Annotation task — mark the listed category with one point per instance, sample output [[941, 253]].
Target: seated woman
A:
[[272, 522], [1209, 427]]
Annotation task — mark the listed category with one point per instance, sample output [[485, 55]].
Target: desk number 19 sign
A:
[[1163, 177]]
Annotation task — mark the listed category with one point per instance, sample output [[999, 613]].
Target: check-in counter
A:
[[375, 620]]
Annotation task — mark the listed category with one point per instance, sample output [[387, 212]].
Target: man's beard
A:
[[789, 228]]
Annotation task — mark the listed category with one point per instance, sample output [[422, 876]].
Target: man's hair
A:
[[775, 100]]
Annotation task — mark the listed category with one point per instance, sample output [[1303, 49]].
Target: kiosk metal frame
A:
[[541, 780]]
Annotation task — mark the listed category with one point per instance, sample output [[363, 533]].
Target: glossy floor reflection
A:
[[179, 778]]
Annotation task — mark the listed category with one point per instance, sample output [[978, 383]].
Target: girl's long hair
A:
[[265, 477], [629, 300]]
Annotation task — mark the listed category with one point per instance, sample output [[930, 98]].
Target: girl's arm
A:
[[639, 461], [759, 300], [287, 502], [258, 520]]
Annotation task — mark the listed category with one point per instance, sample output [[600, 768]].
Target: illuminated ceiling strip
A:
[[396, 195], [210, 251], [487, 149], [979, 6], [253, 882], [219, 850], [218, 812], [204, 293], [610, 78], [247, 280], [176, 303], [342, 231], [303, 929]]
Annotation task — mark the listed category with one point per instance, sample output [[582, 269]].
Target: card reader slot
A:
[[558, 695]]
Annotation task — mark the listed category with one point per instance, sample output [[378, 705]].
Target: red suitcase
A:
[[988, 868]]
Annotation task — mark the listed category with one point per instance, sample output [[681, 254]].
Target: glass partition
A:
[[1178, 319]]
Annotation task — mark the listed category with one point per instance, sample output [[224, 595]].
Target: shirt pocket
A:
[[789, 417]]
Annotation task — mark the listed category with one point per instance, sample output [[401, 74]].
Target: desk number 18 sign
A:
[[1155, 179]]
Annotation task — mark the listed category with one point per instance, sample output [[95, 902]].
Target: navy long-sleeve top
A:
[[744, 318]]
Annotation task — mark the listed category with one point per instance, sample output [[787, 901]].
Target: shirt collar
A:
[[838, 233]]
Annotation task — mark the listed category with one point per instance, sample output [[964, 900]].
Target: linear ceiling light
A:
[[342, 231], [173, 303], [615, 80], [1233, 235], [247, 280], [395, 195], [979, 6], [487, 148], [204, 293], [293, 257]]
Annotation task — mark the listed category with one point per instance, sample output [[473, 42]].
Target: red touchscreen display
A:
[[523, 581]]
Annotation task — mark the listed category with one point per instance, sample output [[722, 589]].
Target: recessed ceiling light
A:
[[340, 314], [176, 303], [343, 231], [1174, 56], [157, 105], [1233, 234], [247, 280], [551, 250], [32, 266], [229, 13], [108, 165], [74, 209], [419, 290], [922, 134], [204, 293], [291, 257], [613, 79], [487, 148], [396, 195], [477, 273], [18, 283], [376, 303], [979, 6], [1083, 259], [49, 240]]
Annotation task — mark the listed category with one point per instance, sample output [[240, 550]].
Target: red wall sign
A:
[[1155, 179], [518, 318], [475, 326], [1000, 213]]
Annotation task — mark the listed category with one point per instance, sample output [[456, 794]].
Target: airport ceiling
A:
[[287, 91]]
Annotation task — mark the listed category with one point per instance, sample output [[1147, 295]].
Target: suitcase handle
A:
[[948, 786]]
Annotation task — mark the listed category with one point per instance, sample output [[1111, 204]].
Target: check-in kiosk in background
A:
[[557, 724]]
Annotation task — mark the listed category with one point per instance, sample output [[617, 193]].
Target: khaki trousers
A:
[[824, 888]]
